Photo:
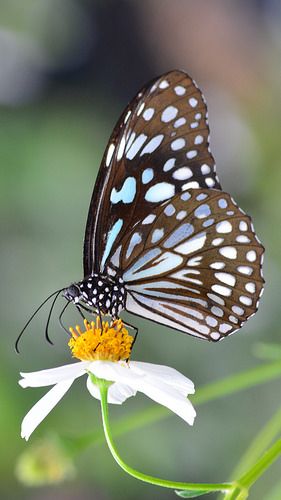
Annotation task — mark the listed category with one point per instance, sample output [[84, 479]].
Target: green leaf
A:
[[191, 493]]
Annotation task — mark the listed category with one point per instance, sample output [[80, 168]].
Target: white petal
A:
[[43, 407], [53, 376], [117, 393], [158, 390], [165, 374], [114, 371], [167, 396]]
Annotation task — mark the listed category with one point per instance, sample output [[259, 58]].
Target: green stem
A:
[[261, 465], [103, 386]]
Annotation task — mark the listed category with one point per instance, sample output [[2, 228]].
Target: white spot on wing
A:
[[243, 226], [238, 310], [178, 123], [164, 84], [242, 238], [217, 311], [140, 109], [217, 265], [112, 235], [169, 210], [190, 185], [149, 219], [121, 148], [116, 256], [251, 256], [205, 169], [127, 116], [245, 270], [110, 152], [228, 252], [182, 173], [222, 290], [181, 233], [153, 144], [148, 114], [169, 114], [180, 90], [157, 235], [178, 144], [215, 298], [147, 175], [169, 164], [136, 146], [191, 154], [193, 102], [135, 240], [202, 211], [224, 227], [222, 203], [192, 245], [250, 287], [126, 193], [209, 181], [247, 301], [160, 192], [198, 139], [181, 214]]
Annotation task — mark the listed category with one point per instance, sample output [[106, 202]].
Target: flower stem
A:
[[261, 465], [139, 475]]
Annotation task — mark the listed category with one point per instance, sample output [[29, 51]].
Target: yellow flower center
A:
[[112, 342]]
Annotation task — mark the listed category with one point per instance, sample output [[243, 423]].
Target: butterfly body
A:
[[163, 241], [100, 293]]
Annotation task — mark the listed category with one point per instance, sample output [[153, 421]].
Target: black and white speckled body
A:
[[99, 293]]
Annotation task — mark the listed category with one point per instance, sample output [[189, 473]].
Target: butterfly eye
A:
[[72, 293]]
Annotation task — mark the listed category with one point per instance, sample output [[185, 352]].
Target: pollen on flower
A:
[[112, 342]]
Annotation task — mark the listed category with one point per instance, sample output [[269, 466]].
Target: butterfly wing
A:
[[194, 266], [159, 147]]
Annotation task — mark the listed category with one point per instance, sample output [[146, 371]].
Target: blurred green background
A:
[[67, 69]]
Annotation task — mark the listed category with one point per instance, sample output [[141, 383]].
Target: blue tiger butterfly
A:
[[162, 240]]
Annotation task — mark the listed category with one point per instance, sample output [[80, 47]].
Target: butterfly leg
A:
[[100, 318], [135, 336]]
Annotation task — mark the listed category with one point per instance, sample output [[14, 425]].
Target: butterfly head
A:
[[73, 293]]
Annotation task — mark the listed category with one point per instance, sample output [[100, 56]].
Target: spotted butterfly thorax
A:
[[162, 240]]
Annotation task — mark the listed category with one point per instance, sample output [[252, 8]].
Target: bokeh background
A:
[[67, 69]]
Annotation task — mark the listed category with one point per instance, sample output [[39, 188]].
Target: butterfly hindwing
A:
[[159, 147], [195, 266]]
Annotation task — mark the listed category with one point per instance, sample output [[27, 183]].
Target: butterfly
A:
[[162, 240]]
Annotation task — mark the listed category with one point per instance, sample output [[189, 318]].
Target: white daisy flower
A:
[[104, 354]]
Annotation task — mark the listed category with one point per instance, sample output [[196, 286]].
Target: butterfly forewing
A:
[[159, 148], [195, 266]]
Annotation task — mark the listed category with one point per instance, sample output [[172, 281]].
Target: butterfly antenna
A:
[[31, 318], [60, 318], [80, 312], [49, 318]]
